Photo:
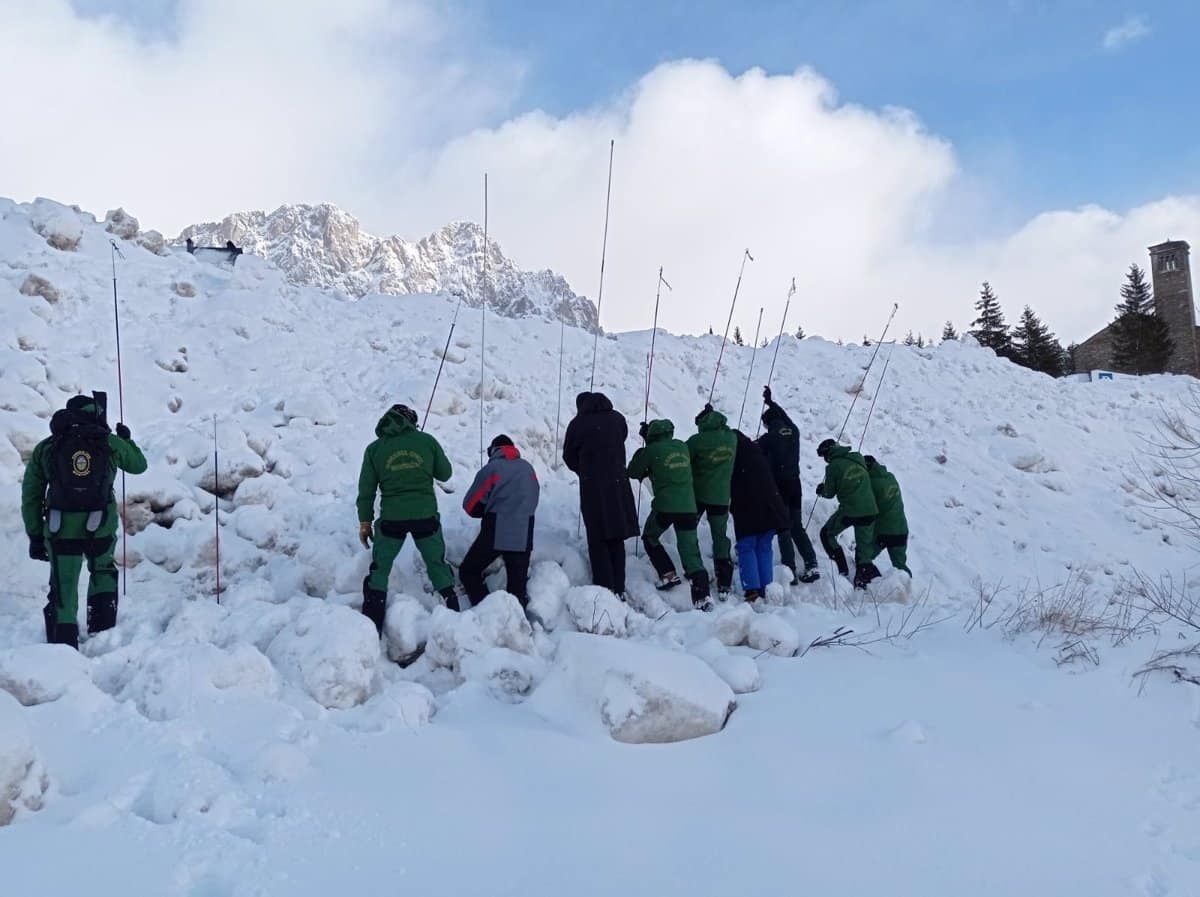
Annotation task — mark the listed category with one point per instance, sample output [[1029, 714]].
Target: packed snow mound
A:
[[642, 694], [332, 650], [23, 780], [38, 674], [324, 246], [598, 611]]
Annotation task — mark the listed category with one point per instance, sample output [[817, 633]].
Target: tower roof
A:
[[1170, 246]]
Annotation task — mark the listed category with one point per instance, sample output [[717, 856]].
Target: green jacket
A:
[[123, 455], [846, 479], [891, 520], [666, 461], [712, 451], [401, 465]]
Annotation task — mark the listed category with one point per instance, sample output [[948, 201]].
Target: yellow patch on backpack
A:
[[81, 463]]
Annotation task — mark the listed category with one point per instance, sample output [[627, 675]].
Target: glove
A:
[[821, 490], [643, 428], [767, 394], [123, 431], [366, 532], [37, 549]]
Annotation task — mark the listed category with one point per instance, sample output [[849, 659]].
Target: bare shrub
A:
[[1168, 479]]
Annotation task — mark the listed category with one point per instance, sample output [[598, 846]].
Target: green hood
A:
[[711, 420], [843, 451], [393, 424], [659, 429]]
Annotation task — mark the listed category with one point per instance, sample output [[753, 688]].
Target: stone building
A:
[[1170, 270]]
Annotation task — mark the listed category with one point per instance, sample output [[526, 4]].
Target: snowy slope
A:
[[267, 746], [323, 246]]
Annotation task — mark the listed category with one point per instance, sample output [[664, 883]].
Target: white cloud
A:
[[359, 102], [249, 104], [1132, 29], [845, 199]]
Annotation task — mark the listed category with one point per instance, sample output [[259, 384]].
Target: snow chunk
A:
[[407, 704], [314, 406], [643, 694], [508, 674], [406, 627], [121, 224], [548, 583], [770, 632], [22, 777], [503, 622], [33, 285], [331, 651], [598, 611], [732, 626], [170, 679], [491, 643], [59, 224], [38, 674], [153, 241], [739, 672]]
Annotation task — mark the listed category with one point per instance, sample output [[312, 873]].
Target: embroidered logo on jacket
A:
[[81, 463]]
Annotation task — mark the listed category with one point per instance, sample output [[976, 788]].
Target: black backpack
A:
[[81, 468]]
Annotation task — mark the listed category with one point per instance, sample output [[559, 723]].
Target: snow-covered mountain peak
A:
[[325, 246]]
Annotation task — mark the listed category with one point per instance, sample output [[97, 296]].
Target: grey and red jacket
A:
[[507, 490]]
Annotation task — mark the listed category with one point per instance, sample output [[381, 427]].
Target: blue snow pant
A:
[[756, 561]]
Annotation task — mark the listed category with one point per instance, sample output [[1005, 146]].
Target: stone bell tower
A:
[[1174, 302]]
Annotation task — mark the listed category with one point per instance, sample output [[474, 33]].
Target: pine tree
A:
[[737, 337], [948, 332], [1035, 347], [990, 329], [1142, 341], [800, 334], [920, 341], [710, 330], [909, 339], [765, 342]]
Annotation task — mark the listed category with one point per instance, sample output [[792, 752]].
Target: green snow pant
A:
[[864, 536], [685, 538], [67, 558], [796, 537], [718, 526], [897, 549], [389, 539]]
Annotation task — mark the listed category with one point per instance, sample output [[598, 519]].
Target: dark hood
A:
[[393, 423], [592, 403]]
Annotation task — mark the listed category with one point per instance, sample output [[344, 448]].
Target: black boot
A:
[[701, 591], [752, 595], [451, 597], [374, 606], [724, 569], [68, 634], [51, 617], [810, 574], [839, 558], [865, 574], [101, 612]]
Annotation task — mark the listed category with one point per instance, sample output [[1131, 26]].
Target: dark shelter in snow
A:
[[227, 253]]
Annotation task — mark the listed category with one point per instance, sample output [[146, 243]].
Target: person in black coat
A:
[[758, 514], [594, 448], [781, 445]]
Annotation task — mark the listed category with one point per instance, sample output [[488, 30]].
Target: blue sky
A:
[[1026, 91]]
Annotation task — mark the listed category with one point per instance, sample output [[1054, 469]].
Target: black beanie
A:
[[499, 441]]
